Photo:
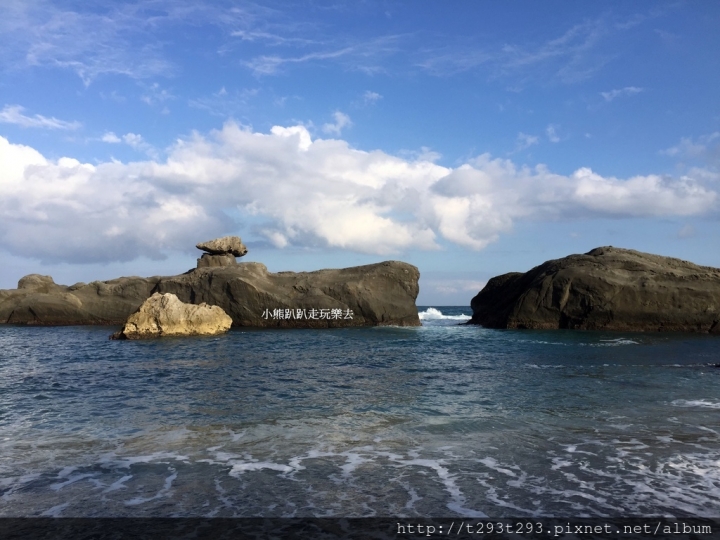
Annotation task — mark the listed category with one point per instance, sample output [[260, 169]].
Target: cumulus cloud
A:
[[133, 140], [627, 91], [300, 191], [342, 121], [13, 114]]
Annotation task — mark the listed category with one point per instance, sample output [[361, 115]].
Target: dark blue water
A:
[[442, 420]]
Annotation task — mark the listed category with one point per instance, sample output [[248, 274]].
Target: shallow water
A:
[[441, 420]]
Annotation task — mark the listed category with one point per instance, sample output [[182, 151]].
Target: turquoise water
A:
[[441, 420]]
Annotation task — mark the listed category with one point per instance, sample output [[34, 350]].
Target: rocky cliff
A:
[[376, 294], [607, 288]]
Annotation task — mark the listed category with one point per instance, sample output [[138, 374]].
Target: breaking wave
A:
[[432, 314]]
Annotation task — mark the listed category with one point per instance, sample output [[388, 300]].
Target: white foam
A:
[[493, 464], [112, 460], [75, 478], [55, 511], [615, 342], [12, 484], [414, 497], [353, 460], [164, 492], [432, 314], [696, 403], [572, 449], [457, 499], [240, 468], [118, 484]]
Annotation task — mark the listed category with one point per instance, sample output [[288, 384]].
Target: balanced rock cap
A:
[[226, 245]]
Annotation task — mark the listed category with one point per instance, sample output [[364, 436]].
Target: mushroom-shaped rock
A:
[[226, 245], [165, 315]]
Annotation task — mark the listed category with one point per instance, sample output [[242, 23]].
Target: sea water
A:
[[438, 420]]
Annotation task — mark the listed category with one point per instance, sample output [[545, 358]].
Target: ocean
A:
[[439, 420]]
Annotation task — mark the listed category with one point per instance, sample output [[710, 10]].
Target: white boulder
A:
[[165, 315]]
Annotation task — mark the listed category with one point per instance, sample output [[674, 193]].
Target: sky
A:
[[468, 138]]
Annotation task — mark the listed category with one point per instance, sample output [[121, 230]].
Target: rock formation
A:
[[221, 252], [371, 295], [376, 294], [210, 261], [165, 315], [605, 289], [39, 300]]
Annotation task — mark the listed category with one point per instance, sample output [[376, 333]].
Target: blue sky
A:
[[467, 138]]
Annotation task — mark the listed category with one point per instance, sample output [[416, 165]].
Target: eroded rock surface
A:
[[165, 315], [375, 294], [43, 302], [226, 245], [210, 261], [605, 289]]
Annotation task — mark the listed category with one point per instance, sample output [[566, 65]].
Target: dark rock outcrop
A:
[[605, 289], [211, 261], [42, 301], [376, 294]]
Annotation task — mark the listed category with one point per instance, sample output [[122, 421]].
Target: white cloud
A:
[[551, 133], [301, 192], [111, 138], [299, 132], [370, 98], [133, 140], [525, 141], [136, 142], [342, 121], [155, 94], [689, 148], [269, 64], [13, 114], [357, 54], [569, 58], [223, 103], [90, 43], [627, 91]]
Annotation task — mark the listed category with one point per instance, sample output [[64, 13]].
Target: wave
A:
[[602, 343], [432, 314], [696, 403], [615, 342]]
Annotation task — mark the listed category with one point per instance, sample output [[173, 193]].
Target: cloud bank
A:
[[298, 191]]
